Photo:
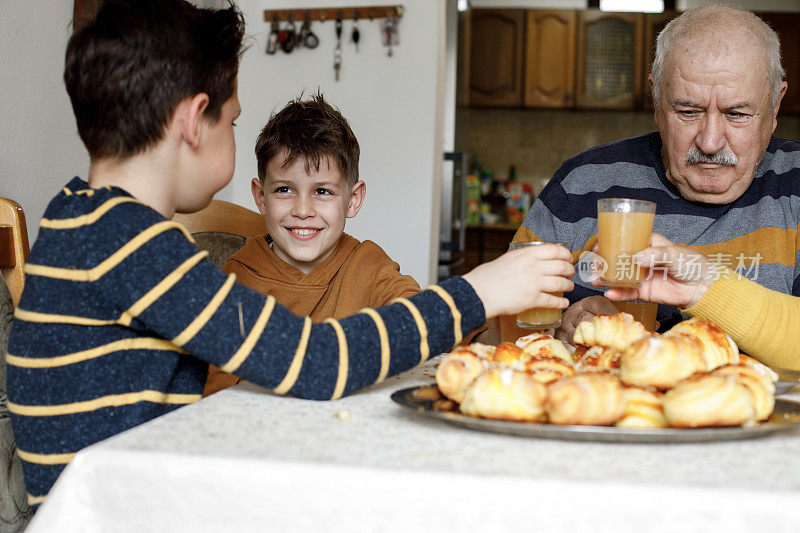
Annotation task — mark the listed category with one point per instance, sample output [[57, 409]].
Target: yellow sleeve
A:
[[764, 323]]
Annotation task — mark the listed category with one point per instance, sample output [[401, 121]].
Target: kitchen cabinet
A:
[[486, 242], [787, 26], [550, 58], [493, 57], [83, 11], [610, 59], [653, 24]]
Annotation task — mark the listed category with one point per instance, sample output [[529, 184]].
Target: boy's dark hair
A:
[[310, 130], [127, 70]]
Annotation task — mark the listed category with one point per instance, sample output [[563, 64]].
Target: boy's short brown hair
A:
[[309, 129], [128, 69]]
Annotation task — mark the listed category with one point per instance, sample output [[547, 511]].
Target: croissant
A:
[[599, 357], [506, 394], [593, 398], [643, 409], [544, 345], [709, 400], [718, 348], [661, 362], [614, 331], [760, 387], [547, 369], [759, 367], [507, 354], [457, 371]]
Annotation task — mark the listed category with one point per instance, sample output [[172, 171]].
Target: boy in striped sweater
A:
[[121, 314]]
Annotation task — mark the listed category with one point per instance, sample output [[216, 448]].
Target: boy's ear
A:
[[357, 194], [190, 114], [258, 195]]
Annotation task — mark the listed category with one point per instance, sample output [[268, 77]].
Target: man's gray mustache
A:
[[694, 156]]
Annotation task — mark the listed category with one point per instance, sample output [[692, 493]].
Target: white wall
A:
[[39, 145], [394, 105]]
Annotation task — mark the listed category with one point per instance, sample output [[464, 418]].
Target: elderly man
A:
[[723, 185]]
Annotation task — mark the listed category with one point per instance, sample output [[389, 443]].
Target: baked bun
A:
[[507, 354], [547, 369], [759, 367], [612, 331], [643, 409], [599, 358], [705, 400], [594, 398], [661, 362], [718, 348], [505, 394], [760, 387], [544, 345], [456, 371]]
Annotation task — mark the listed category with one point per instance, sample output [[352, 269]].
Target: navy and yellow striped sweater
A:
[[755, 235], [121, 315]]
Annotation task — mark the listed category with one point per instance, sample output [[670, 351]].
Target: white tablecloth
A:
[[246, 460]]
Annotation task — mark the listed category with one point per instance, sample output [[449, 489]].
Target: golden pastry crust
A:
[[613, 331], [544, 345], [759, 367], [594, 398], [718, 348], [599, 358], [507, 354], [505, 394], [760, 387], [547, 369], [457, 370], [661, 362], [643, 409], [708, 400]]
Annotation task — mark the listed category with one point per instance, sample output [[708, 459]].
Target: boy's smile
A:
[[305, 209]]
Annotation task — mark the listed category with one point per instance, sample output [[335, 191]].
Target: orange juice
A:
[[540, 317], [620, 236], [644, 312]]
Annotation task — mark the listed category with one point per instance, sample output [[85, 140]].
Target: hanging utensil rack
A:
[[333, 13]]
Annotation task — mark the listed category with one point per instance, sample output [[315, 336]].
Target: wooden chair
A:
[[221, 228], [13, 246]]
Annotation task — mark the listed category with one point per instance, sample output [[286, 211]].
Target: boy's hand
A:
[[521, 279], [674, 275]]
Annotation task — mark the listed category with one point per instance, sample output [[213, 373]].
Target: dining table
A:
[[245, 459]]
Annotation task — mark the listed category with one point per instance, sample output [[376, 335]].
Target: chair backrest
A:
[[221, 228], [13, 246]]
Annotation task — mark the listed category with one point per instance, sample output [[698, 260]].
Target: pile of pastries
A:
[[620, 375]]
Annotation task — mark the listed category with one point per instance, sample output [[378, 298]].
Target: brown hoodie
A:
[[356, 275]]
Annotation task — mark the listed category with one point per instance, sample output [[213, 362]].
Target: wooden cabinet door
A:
[[653, 24], [550, 58], [494, 57], [609, 60], [787, 26]]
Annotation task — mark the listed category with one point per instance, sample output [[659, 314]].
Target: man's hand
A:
[[672, 274], [581, 311]]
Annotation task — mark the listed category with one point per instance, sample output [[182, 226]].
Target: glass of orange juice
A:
[[624, 228], [538, 317]]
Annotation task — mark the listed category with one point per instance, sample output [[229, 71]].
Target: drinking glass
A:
[[624, 228]]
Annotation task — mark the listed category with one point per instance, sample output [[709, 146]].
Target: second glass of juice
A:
[[624, 227], [538, 317]]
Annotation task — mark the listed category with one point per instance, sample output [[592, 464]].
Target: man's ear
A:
[[784, 86], [190, 118], [258, 195], [357, 193]]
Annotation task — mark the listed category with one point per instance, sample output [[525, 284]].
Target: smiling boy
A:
[[307, 187]]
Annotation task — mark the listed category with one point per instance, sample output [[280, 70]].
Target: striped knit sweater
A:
[[756, 235], [121, 315]]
